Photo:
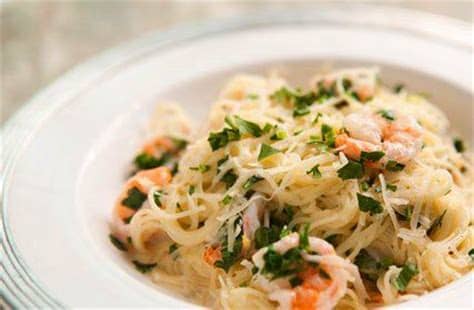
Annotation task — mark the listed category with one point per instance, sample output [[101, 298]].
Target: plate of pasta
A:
[[316, 174]]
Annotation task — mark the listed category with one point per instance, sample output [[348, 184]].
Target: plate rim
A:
[[36, 110]]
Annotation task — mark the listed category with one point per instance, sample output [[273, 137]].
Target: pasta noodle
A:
[[348, 195]]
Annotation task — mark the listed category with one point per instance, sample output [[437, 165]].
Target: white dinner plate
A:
[[66, 152]]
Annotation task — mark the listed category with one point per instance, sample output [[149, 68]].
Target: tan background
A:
[[40, 40]]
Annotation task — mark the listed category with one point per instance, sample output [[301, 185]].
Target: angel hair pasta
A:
[[346, 195]]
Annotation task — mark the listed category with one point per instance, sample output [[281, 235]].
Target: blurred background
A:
[[40, 40]]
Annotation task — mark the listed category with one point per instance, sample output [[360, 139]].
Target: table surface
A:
[[42, 40]]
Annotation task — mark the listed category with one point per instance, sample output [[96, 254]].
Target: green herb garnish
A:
[[266, 151], [394, 166], [459, 145], [134, 199], [145, 161], [143, 268], [157, 197], [227, 199], [117, 243], [387, 114], [251, 181], [471, 254], [437, 222], [230, 257], [243, 126], [371, 156], [316, 119], [191, 189], [304, 237], [201, 168], [351, 170], [266, 235], [253, 96], [328, 136], [391, 187], [281, 265], [180, 144], [314, 172], [173, 247], [404, 277], [398, 88], [220, 139], [229, 178], [368, 204], [279, 135]]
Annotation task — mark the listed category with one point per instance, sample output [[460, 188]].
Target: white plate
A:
[[66, 151]]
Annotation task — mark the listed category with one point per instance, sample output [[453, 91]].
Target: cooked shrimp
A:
[[317, 291], [212, 254], [252, 216], [143, 181], [158, 145], [399, 139]]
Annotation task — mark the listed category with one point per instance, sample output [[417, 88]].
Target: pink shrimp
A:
[[252, 216], [143, 181], [321, 288], [400, 139]]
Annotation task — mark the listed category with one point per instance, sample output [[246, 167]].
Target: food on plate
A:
[[349, 194]]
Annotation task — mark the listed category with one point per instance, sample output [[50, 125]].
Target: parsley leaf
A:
[[352, 170], [371, 156], [230, 257], [328, 135], [243, 126], [157, 197], [437, 222], [281, 265], [251, 181], [394, 166], [369, 266], [471, 253], [391, 187], [226, 200], [143, 268], [316, 119], [315, 172], [266, 151], [117, 243], [134, 199], [304, 237], [201, 168], [220, 139], [173, 247], [368, 204], [387, 114], [295, 281], [266, 235], [398, 88], [459, 145], [191, 189], [146, 161], [279, 135], [253, 96], [404, 277], [180, 144], [229, 178]]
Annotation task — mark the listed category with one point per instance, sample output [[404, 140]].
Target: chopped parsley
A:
[[281, 265], [229, 258], [368, 204], [146, 161], [328, 135], [301, 102], [220, 139], [279, 135], [346, 84], [201, 168], [253, 96], [404, 277], [221, 161], [191, 189], [341, 105], [143, 268], [398, 88], [265, 236], [266, 151], [394, 166], [387, 114], [243, 126], [304, 237], [251, 181], [351, 170], [437, 222], [267, 128], [172, 248], [117, 243], [371, 156], [369, 266], [226, 200], [295, 281], [316, 119], [471, 253], [157, 197], [229, 178], [364, 186], [391, 187], [459, 145], [180, 144], [134, 199], [314, 172]]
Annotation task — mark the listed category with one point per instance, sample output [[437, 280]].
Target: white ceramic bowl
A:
[[67, 149]]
